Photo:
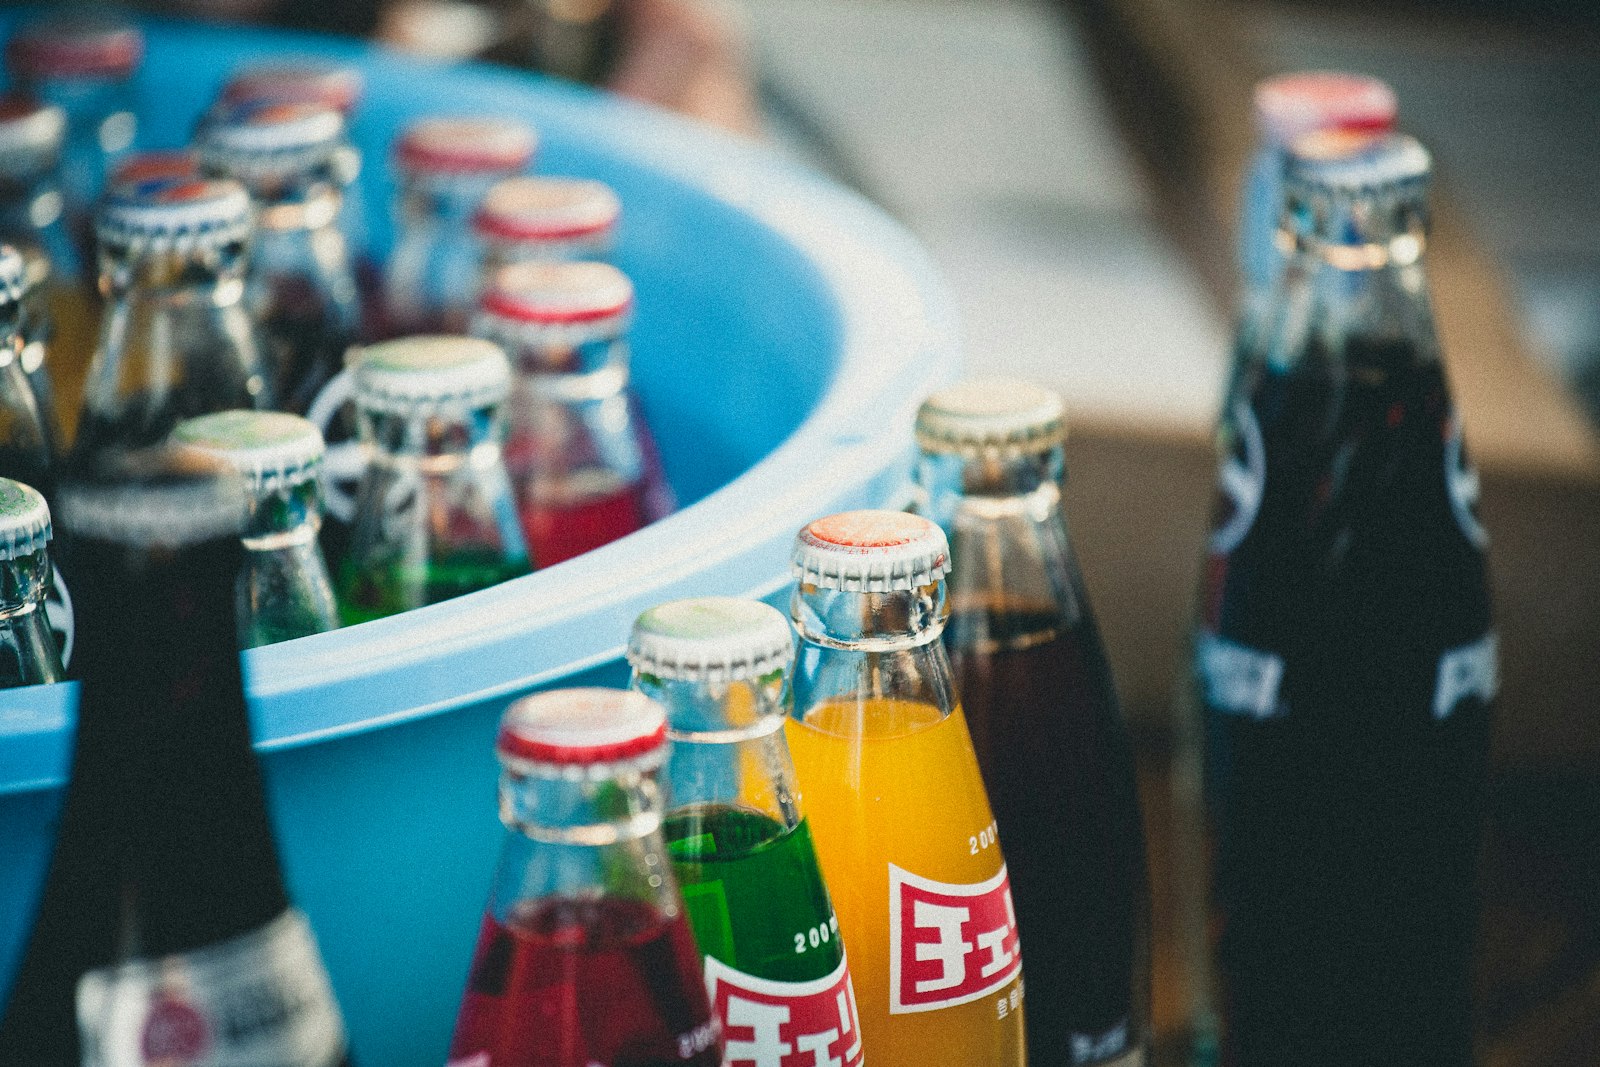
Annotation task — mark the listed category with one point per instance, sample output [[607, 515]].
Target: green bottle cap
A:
[[427, 375], [271, 449], [24, 520]]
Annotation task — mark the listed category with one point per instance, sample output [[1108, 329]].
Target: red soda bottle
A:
[[445, 165], [585, 958], [580, 456], [546, 219]]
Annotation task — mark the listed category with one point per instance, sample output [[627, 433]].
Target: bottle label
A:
[[1103, 1046], [58, 612], [263, 998], [1471, 670], [785, 1024], [1461, 479], [1241, 479], [1239, 680], [949, 944]]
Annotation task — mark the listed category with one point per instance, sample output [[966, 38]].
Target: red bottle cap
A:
[[166, 164], [1292, 105], [298, 82], [547, 211], [76, 46], [570, 727], [466, 146], [558, 294], [871, 552]]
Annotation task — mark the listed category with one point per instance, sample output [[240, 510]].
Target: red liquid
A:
[[570, 983], [561, 529]]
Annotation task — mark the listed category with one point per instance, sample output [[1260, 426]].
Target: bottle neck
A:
[[28, 650], [473, 435], [727, 743], [574, 373], [864, 648], [1013, 576], [296, 206], [444, 204], [206, 277], [284, 517]]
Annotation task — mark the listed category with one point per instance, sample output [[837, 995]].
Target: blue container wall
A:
[[785, 331]]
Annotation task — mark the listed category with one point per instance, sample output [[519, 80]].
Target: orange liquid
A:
[[76, 314], [893, 781]]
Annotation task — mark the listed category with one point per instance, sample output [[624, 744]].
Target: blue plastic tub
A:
[[785, 332]]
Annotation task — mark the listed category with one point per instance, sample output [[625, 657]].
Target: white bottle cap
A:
[[871, 552], [273, 450], [541, 304], [174, 214], [466, 146], [31, 134], [1352, 166], [431, 374], [711, 639], [583, 727], [267, 139], [553, 214], [1293, 105], [991, 415], [24, 520]]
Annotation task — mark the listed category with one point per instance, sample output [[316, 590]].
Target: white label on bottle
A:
[[1238, 679], [1099, 1047], [261, 999], [1471, 670], [785, 1024], [1242, 478], [1461, 479], [58, 612], [949, 944]]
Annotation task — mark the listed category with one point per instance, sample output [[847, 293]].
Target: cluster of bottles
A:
[[477, 395]]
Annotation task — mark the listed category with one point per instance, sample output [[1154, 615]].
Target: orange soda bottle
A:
[[897, 804]]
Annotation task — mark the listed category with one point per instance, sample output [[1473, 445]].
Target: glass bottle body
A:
[[101, 129], [581, 458], [28, 651], [176, 341], [904, 829], [585, 955], [1053, 745], [434, 514], [284, 589], [435, 268], [1345, 662]]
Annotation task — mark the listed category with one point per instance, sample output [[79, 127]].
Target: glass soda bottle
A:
[[1345, 655], [284, 590], [1039, 698], [546, 220], [434, 515], [895, 798], [445, 166], [84, 62], [1288, 107], [176, 339], [300, 286], [774, 963], [29, 654], [165, 934], [585, 957], [580, 455]]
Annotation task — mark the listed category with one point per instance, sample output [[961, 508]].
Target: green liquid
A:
[[367, 593], [755, 894]]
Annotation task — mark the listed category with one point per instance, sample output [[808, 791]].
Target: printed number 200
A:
[[818, 935], [989, 835]]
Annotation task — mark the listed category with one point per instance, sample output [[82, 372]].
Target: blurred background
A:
[[1074, 167]]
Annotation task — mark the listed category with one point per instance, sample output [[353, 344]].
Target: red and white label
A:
[[949, 944], [785, 1024]]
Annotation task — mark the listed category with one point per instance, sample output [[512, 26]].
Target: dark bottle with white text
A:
[[1345, 655]]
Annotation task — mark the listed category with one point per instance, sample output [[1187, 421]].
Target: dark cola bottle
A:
[[1345, 655], [1045, 720], [166, 934]]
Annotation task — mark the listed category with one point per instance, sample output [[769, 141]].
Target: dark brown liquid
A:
[[1058, 764]]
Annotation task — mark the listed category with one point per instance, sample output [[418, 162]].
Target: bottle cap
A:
[[1351, 166], [272, 449], [555, 303], [14, 279], [267, 139], [557, 212], [1292, 105], [571, 727], [174, 213], [422, 375], [24, 520], [30, 134], [299, 81], [76, 46], [466, 146], [991, 415], [158, 498], [162, 163], [871, 552], [711, 639]]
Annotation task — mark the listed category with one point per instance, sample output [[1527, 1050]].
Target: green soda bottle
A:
[[434, 516], [774, 962]]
